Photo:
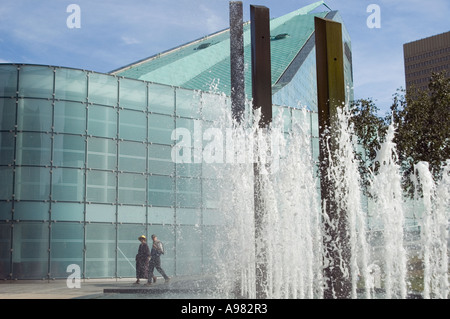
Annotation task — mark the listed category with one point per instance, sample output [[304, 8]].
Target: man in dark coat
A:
[[155, 261], [142, 259]]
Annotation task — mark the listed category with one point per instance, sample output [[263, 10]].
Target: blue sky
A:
[[115, 33]]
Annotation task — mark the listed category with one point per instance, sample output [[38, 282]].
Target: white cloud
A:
[[129, 40], [214, 22]]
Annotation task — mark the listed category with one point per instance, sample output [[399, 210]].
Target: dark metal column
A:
[[262, 98], [331, 95], [237, 60], [261, 65]]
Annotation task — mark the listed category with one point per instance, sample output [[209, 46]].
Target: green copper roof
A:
[[198, 64]]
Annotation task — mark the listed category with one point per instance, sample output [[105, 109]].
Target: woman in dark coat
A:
[[142, 259]]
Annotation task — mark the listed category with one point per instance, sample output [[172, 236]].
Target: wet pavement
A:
[[178, 287]]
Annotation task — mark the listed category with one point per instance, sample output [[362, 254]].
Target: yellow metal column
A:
[[331, 95]]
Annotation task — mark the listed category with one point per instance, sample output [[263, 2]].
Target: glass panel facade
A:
[[35, 81], [5, 247], [7, 114], [187, 103], [70, 85], [86, 167], [161, 99], [160, 129], [101, 186], [102, 89], [66, 247], [31, 211], [67, 184], [70, 117], [69, 150], [102, 121], [32, 183], [160, 159], [100, 250], [132, 157], [33, 148], [6, 189], [101, 153], [30, 250], [133, 94], [127, 249], [67, 212], [132, 188], [7, 148], [132, 126], [8, 80]]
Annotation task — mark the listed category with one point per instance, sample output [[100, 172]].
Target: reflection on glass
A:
[[132, 157], [160, 128], [67, 184], [161, 99], [33, 149], [102, 121], [160, 159], [102, 153], [132, 188], [70, 117], [133, 94], [7, 114], [8, 80], [34, 115], [70, 84], [132, 125], [68, 150], [101, 187], [161, 191], [102, 89], [32, 183], [35, 81]]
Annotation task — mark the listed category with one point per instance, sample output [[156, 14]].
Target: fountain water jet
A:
[[293, 228], [434, 231], [271, 212], [386, 190]]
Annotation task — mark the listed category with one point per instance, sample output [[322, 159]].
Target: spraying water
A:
[[347, 192], [434, 231], [293, 235], [386, 190]]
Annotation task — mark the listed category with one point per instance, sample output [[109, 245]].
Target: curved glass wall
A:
[[86, 167]]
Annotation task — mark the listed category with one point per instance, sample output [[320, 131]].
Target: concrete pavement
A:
[[178, 287]]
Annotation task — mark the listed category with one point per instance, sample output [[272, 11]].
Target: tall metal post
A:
[[261, 66], [237, 60], [330, 96], [262, 98]]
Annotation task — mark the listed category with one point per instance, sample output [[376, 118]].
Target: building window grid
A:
[[51, 201]]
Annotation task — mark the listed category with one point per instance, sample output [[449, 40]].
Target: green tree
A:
[[370, 129], [423, 127], [422, 120]]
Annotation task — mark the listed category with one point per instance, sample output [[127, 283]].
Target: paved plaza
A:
[[178, 287]]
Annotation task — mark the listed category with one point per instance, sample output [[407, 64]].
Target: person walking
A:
[[142, 259], [155, 261]]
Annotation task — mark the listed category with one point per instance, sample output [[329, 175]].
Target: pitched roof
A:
[[200, 63]]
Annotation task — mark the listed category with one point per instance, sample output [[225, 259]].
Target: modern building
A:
[[85, 157], [425, 56]]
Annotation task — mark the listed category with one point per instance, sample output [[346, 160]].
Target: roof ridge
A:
[[304, 10], [275, 22]]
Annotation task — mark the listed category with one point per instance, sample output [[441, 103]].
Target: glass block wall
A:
[[86, 168]]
